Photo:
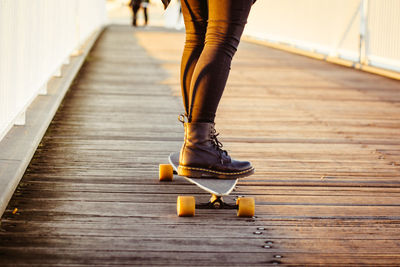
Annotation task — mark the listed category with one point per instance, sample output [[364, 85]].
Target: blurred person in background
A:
[[136, 5]]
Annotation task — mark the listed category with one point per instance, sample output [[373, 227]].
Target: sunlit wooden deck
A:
[[325, 141]]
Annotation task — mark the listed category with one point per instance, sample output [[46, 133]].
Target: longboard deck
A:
[[218, 187]]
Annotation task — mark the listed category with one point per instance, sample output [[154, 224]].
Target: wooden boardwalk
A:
[[325, 141]]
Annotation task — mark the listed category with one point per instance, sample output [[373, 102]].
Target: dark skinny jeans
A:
[[213, 31]]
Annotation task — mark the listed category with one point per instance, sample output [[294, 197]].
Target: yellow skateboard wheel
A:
[[166, 172], [185, 206], [246, 207]]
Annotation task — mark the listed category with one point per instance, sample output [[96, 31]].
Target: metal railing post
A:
[[363, 38]]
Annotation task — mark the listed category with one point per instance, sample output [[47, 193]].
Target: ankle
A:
[[208, 118]]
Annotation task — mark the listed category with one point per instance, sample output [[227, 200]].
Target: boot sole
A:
[[193, 172]]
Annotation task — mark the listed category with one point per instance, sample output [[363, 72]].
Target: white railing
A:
[[363, 31], [36, 39]]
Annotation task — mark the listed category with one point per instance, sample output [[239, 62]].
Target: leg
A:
[[227, 19], [195, 15], [135, 11], [202, 154], [146, 18]]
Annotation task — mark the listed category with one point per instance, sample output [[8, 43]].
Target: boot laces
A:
[[216, 143]]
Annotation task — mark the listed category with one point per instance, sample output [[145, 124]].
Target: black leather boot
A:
[[201, 155]]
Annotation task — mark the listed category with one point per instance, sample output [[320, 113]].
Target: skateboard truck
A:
[[186, 205], [216, 202]]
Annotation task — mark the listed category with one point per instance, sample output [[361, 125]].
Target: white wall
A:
[[36, 38], [333, 27]]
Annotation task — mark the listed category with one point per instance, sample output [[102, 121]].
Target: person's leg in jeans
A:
[[135, 10], [145, 4], [195, 15], [213, 31], [146, 18], [226, 21]]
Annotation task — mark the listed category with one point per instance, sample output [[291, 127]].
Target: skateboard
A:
[[186, 205]]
